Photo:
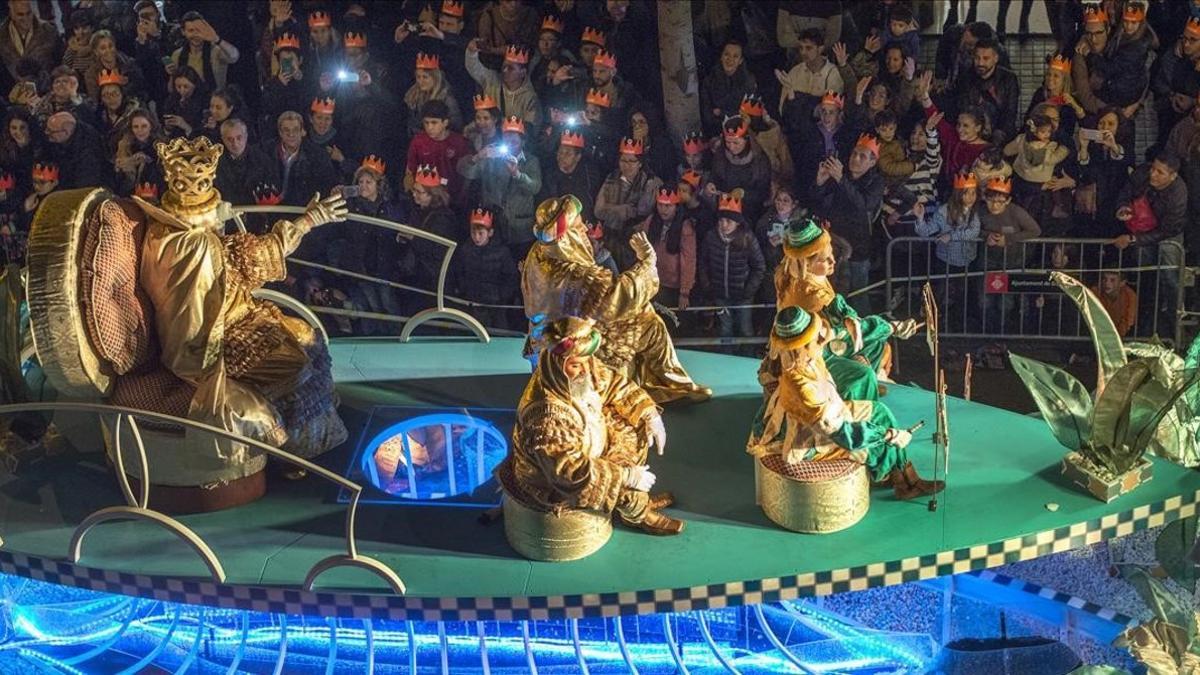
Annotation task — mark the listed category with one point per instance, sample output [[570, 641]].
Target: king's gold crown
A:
[[189, 168]]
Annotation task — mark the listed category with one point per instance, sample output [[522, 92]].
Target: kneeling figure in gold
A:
[[582, 436]]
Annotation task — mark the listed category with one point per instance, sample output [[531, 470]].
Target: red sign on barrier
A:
[[995, 282]]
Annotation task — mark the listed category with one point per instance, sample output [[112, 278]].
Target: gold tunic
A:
[[561, 278], [252, 366], [570, 452]]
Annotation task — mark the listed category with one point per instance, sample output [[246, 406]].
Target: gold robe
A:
[[253, 367], [561, 278], [572, 454]]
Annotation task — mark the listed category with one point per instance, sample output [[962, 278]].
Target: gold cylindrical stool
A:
[[814, 497], [539, 535]]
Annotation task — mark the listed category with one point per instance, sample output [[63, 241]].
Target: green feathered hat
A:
[[802, 238], [795, 327]]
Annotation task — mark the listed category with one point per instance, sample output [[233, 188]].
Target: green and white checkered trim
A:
[[712, 596]]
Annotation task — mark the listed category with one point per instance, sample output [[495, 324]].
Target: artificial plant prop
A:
[[1146, 397]]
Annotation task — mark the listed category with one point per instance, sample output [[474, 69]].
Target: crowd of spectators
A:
[[459, 117]]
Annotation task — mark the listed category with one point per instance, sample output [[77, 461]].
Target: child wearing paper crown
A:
[[484, 271]]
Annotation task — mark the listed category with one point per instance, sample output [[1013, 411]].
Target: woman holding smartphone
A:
[[185, 107]]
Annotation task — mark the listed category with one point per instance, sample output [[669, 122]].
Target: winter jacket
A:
[[851, 206], [962, 248], [620, 201], [486, 274], [997, 96], [751, 172], [1168, 204], [514, 195], [894, 164], [522, 101], [730, 270], [723, 92], [584, 182], [675, 270], [1016, 225]]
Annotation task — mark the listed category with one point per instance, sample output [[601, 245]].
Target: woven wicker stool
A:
[[814, 497], [540, 535]]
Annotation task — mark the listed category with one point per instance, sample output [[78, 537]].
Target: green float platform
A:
[[1005, 501]]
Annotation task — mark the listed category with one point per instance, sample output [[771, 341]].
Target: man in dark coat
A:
[[79, 152]]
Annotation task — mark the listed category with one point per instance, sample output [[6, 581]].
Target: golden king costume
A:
[[257, 372], [581, 437], [560, 278], [805, 419]]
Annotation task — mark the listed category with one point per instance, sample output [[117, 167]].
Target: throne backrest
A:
[[118, 316]]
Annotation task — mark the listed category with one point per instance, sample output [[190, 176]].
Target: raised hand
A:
[[839, 54]]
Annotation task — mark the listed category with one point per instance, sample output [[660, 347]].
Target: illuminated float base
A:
[[1006, 501]]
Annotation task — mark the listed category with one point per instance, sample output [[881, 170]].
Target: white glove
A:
[[642, 247], [905, 329], [658, 432], [639, 478], [899, 437], [331, 209]]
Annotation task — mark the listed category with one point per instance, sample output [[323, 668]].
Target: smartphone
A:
[[287, 66], [1091, 134], [349, 191], [167, 60], [347, 76]]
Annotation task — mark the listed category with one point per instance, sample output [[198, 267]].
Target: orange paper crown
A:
[[355, 40], [600, 98], [631, 146], [267, 195], [287, 41], [553, 23], [606, 59], [571, 139], [691, 177], [323, 105], [1095, 15], [868, 142], [1134, 12], [1000, 184], [1193, 27], [107, 76], [45, 171], [318, 19], [514, 124], [593, 36], [516, 54], [481, 218], [964, 181], [667, 196], [752, 105], [1060, 63], [7, 181], [728, 202], [146, 191], [427, 61], [693, 144], [734, 126], [484, 102], [427, 175], [833, 98], [374, 164], [452, 8]]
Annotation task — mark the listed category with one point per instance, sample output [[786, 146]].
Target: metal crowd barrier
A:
[[1006, 293]]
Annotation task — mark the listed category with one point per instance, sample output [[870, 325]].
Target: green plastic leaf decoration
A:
[[1110, 352], [1166, 366], [1116, 420], [1099, 670], [1159, 599], [1064, 402], [1172, 547], [1184, 420]]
